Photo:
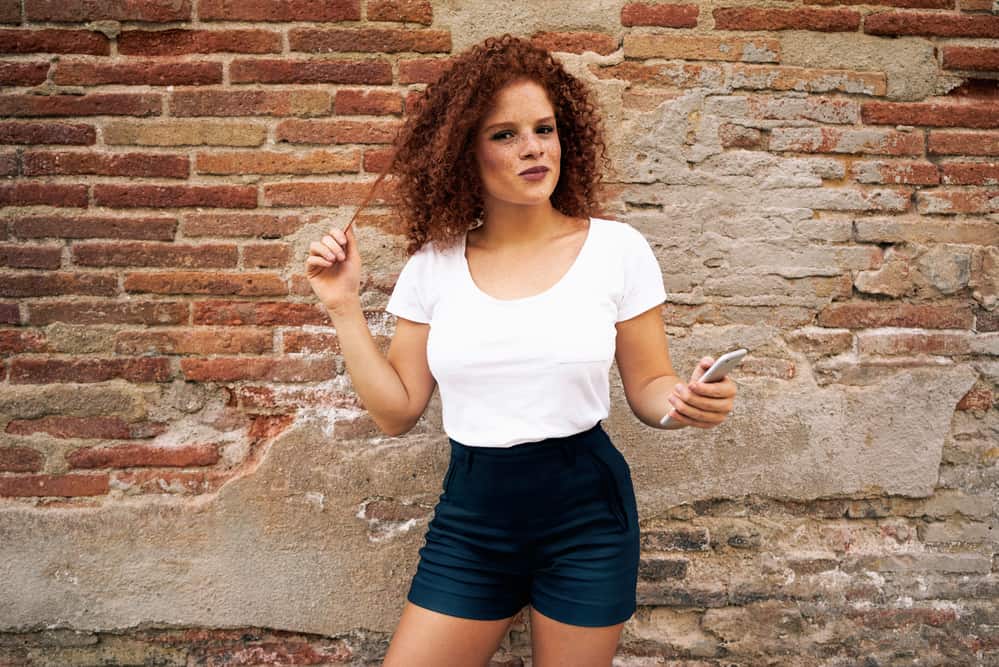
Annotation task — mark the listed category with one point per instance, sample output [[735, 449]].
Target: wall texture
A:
[[187, 478]]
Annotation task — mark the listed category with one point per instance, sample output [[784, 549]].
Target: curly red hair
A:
[[438, 190]]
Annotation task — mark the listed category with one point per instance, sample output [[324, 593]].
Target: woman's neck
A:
[[510, 226]]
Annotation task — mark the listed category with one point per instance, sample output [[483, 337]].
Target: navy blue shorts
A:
[[551, 523]]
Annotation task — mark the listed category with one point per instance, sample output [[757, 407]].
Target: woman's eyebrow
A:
[[510, 122]]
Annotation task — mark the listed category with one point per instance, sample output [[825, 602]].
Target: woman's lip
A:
[[534, 170]]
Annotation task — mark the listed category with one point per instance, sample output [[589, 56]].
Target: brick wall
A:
[[820, 181]]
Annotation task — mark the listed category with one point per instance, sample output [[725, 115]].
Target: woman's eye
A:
[[506, 134]]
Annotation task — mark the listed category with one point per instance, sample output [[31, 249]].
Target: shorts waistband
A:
[[565, 446]]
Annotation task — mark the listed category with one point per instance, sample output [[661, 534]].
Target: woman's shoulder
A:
[[618, 230]]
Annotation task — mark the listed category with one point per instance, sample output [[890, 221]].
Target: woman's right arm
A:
[[394, 390]]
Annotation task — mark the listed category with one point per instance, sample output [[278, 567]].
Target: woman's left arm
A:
[[653, 388]]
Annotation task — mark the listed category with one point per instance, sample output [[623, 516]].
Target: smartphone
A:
[[718, 371]]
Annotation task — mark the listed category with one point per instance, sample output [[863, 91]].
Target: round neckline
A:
[[534, 297]]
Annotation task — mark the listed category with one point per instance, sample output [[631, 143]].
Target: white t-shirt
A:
[[520, 370]]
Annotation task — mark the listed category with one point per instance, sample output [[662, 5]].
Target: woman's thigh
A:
[[426, 638]]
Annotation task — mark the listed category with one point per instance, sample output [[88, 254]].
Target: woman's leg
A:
[[426, 638], [556, 644]]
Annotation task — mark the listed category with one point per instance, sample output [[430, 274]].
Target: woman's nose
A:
[[532, 144]]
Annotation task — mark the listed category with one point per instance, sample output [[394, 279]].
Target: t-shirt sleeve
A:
[[411, 295], [643, 277]]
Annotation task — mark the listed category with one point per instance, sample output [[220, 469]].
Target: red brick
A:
[[342, 193], [374, 102], [269, 10], [780, 77], [24, 256], [753, 18], [45, 194], [337, 132], [8, 167], [171, 196], [278, 162], [13, 342], [74, 11], [424, 70], [375, 161], [54, 485], [256, 397], [46, 371], [10, 11], [698, 47], [310, 71], [105, 311], [132, 455], [664, 15], [148, 253], [976, 5], [56, 283], [256, 225], [904, 172], [43, 163], [23, 74], [266, 255], [955, 114], [865, 315], [273, 369], [244, 283], [47, 133], [54, 41], [910, 4], [376, 40], [575, 42], [970, 58], [944, 142], [977, 398], [82, 227], [737, 136], [414, 11], [934, 24], [949, 202], [178, 42], [170, 481], [93, 104], [20, 459], [257, 313], [307, 341], [837, 140], [970, 173], [9, 313], [413, 98], [147, 73], [198, 340], [681, 75], [65, 426], [907, 343], [250, 102]]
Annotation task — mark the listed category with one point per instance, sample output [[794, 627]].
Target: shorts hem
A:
[[594, 619], [453, 605]]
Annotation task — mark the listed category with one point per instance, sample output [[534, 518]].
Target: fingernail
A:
[[678, 387]]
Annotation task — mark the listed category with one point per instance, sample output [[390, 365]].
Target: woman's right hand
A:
[[334, 268]]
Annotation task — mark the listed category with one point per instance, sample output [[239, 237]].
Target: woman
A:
[[514, 301]]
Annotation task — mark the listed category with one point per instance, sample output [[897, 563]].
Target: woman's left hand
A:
[[702, 404]]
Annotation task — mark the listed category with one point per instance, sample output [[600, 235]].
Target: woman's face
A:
[[518, 134]]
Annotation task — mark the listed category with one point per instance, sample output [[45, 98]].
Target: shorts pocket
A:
[[612, 489]]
